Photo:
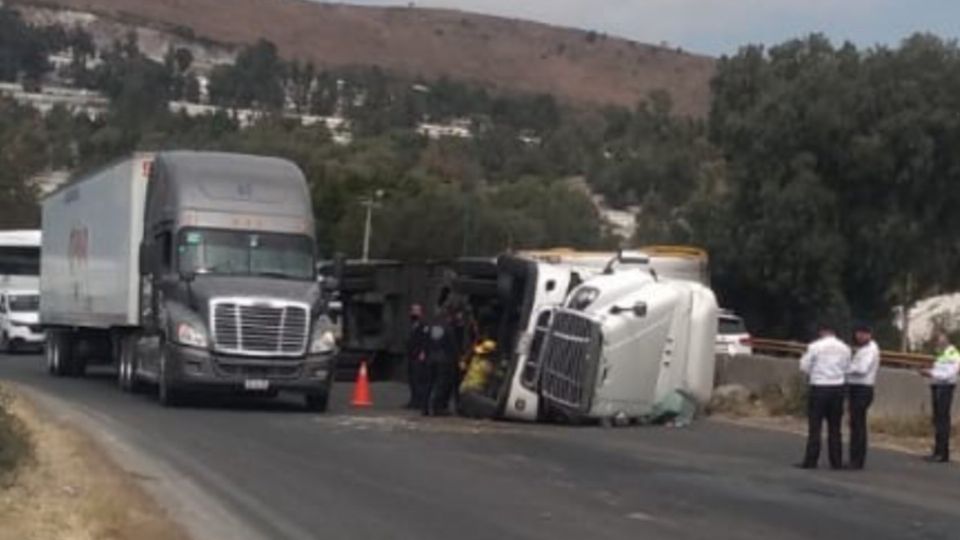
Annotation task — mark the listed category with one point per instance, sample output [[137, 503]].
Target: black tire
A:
[[60, 354], [477, 267], [476, 286], [127, 363], [50, 352], [167, 393], [317, 402], [5, 345]]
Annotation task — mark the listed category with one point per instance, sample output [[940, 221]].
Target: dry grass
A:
[[500, 53], [70, 491], [15, 448]]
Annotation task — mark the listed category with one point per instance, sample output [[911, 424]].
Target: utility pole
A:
[[905, 313], [369, 204]]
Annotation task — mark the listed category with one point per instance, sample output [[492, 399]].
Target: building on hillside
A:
[[78, 101]]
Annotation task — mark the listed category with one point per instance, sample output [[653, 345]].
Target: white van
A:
[[19, 320]]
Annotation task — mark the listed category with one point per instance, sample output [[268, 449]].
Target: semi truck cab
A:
[[228, 279], [219, 291]]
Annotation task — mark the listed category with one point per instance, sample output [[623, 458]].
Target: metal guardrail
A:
[[887, 358]]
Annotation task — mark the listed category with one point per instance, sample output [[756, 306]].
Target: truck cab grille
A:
[[569, 360], [258, 327]]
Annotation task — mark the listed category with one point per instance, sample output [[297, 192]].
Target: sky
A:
[[718, 27]]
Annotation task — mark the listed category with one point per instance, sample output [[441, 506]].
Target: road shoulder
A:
[[71, 489]]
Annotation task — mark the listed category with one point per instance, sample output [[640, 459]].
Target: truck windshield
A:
[[19, 261], [21, 303], [239, 253]]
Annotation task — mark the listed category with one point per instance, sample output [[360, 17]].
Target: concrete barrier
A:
[[899, 393]]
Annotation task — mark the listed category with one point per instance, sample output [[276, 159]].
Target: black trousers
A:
[[860, 397], [441, 376], [942, 403], [824, 403], [417, 379]]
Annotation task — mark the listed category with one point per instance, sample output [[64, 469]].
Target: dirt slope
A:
[[575, 65]]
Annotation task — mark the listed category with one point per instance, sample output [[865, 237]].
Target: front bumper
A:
[[199, 368], [25, 335]]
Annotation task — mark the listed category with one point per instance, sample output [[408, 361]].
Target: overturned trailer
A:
[[375, 299], [630, 339]]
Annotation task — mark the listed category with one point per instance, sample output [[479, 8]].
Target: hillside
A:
[[574, 65]]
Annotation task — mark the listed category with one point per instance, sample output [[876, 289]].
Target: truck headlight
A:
[[189, 335], [323, 342]]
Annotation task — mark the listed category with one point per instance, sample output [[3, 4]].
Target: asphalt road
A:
[[277, 472]]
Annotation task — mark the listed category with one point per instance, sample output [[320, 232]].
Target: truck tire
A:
[[5, 343], [317, 401], [60, 354], [50, 352], [127, 363], [167, 393]]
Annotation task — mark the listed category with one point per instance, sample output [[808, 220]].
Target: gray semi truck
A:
[[193, 271]]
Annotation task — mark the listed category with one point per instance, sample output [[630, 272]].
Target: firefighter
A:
[[943, 380], [825, 363], [476, 380], [861, 378], [416, 358]]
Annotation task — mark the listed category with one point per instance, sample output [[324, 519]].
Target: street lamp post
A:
[[369, 204]]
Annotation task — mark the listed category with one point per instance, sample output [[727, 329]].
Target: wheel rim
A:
[[164, 391], [126, 363], [121, 369], [55, 356], [49, 353]]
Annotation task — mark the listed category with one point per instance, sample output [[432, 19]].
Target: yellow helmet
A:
[[485, 346]]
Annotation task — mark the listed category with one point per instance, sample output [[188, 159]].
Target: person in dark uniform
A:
[[441, 365], [463, 335], [417, 358], [825, 363]]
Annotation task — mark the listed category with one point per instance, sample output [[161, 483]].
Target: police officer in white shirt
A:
[[861, 377], [826, 363]]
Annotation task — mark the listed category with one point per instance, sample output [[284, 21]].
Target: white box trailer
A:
[[90, 269]]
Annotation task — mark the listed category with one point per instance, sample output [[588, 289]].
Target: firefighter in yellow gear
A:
[[479, 368]]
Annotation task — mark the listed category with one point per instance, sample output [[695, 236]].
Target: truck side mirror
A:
[[330, 284]]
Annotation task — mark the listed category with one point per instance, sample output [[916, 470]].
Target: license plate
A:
[[256, 384]]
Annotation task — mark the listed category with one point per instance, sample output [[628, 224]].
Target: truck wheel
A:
[[127, 363], [167, 393], [60, 354], [4, 343], [317, 402], [52, 353]]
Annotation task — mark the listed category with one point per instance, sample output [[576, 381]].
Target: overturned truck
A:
[[590, 337]]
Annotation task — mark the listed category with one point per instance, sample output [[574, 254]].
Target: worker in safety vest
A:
[[826, 363], [943, 381]]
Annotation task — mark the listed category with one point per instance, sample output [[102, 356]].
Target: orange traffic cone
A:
[[361, 390]]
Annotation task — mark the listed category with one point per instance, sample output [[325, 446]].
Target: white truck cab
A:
[[19, 320], [594, 336]]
